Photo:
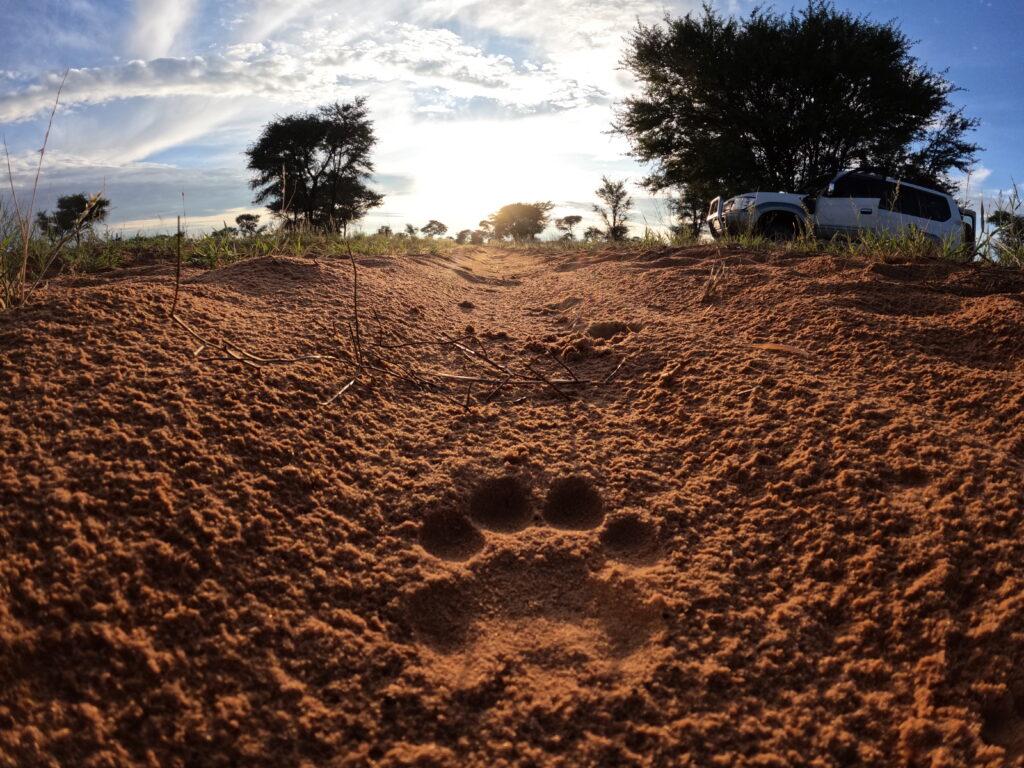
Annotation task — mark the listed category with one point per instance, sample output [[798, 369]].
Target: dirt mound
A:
[[773, 517], [263, 276]]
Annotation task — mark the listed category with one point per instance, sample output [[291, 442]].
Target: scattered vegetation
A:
[[45, 259], [1004, 244], [25, 259], [98, 253]]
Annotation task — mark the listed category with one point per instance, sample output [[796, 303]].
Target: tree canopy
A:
[[784, 102], [312, 168], [519, 221]]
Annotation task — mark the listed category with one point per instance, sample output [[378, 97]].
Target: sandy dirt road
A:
[[788, 532]]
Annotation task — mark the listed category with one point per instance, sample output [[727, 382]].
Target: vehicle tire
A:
[[777, 226]]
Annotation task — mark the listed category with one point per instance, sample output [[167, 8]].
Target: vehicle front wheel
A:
[[781, 227]]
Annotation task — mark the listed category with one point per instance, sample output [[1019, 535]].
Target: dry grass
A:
[[1003, 243], [26, 261], [40, 259], [713, 285]]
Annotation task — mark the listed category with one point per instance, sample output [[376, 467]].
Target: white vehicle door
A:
[[850, 206], [906, 206]]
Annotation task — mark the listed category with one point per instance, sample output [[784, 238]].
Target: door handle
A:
[[866, 211]]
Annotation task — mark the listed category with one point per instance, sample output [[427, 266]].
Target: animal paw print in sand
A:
[[540, 589]]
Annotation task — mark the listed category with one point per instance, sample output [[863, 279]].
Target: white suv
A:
[[854, 203]]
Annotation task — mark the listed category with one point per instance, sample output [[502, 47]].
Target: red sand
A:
[[790, 535]]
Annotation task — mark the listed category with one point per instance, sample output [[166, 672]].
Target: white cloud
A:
[[514, 104], [217, 76], [972, 183], [146, 127], [256, 21], [157, 25], [323, 65], [583, 39]]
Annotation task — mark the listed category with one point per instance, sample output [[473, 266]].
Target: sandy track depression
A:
[[786, 532]]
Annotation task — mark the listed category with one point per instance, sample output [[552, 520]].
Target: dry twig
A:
[[386, 360], [608, 379], [177, 277]]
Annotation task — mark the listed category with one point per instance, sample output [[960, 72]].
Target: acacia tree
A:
[[247, 223], [433, 228], [566, 224], [615, 211], [776, 101], [312, 168], [519, 221], [74, 215]]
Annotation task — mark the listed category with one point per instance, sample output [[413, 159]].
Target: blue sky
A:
[[477, 102]]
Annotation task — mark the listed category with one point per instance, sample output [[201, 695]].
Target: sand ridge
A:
[[735, 555]]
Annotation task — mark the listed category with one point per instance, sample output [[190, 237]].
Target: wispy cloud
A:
[[196, 76], [256, 21], [321, 67], [158, 24], [452, 112]]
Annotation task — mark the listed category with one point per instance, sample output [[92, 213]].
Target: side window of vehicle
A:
[[934, 207], [889, 193], [843, 187], [906, 201], [873, 188], [856, 185], [923, 205]]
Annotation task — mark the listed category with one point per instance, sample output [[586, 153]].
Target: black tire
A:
[[778, 226]]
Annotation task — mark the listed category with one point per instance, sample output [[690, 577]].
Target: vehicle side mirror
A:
[[831, 190]]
